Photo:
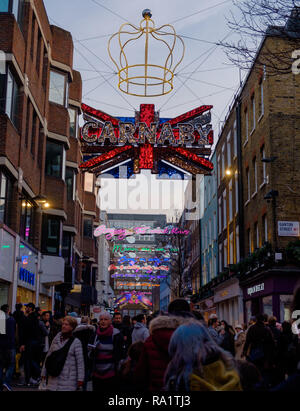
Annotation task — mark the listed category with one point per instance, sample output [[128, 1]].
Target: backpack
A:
[[56, 360]]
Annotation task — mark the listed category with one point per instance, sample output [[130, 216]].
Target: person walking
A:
[[108, 351], [228, 337], [154, 359], [63, 369], [47, 327], [7, 351], [198, 363], [239, 341], [140, 331], [30, 345], [85, 333], [213, 325], [259, 348]]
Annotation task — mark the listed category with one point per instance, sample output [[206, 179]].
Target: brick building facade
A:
[[47, 209]]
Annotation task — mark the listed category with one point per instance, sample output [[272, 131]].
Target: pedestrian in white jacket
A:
[[72, 375], [140, 331]]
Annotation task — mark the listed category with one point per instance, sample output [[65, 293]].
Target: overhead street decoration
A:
[[148, 142]]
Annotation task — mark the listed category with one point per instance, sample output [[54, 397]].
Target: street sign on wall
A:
[[288, 228]]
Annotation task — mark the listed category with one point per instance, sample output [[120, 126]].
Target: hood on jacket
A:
[[140, 325], [216, 378], [83, 327], [162, 329]]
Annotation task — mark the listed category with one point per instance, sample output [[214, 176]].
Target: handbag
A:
[[55, 362]]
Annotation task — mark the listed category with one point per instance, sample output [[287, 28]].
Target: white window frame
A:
[[230, 201], [219, 170], [223, 161], [255, 176], [224, 210], [253, 113], [220, 215], [229, 150], [234, 140], [247, 126], [262, 100]]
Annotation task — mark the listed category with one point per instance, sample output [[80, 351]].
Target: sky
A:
[[205, 76]]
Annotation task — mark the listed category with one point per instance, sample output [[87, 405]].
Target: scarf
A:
[[105, 332]]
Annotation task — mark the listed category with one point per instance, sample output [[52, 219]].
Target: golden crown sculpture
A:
[[146, 79]]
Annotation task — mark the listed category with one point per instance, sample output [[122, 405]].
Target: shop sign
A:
[[288, 228], [256, 289], [26, 276]]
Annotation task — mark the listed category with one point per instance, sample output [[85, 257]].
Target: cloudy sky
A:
[[204, 77]]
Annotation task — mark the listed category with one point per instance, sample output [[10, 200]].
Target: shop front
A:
[[228, 299], [270, 293], [206, 307], [7, 253], [27, 275]]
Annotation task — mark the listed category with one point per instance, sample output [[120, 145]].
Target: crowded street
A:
[[149, 199]]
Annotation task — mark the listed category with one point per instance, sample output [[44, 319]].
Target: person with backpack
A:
[[63, 369]]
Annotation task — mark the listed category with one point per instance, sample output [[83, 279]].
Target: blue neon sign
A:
[[27, 276]]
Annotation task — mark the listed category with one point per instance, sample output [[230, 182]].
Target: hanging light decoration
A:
[[162, 51]]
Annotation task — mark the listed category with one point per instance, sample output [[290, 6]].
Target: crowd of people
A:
[[176, 351]]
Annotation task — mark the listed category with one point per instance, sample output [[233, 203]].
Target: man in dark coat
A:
[[31, 339]]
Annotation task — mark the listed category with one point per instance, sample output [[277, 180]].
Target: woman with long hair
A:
[[198, 363]]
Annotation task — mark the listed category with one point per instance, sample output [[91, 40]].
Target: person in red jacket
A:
[[150, 370]]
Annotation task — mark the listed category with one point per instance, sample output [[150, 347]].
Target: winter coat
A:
[[7, 341], [154, 359], [111, 346], [239, 345], [260, 337], [73, 370], [30, 330], [85, 333], [228, 343], [216, 377], [215, 335], [140, 333]]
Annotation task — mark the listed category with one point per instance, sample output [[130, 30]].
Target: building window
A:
[[265, 227], [255, 174], [12, 99], [224, 210], [26, 222], [219, 171], [223, 162], [73, 114], [249, 241], [58, 92], [234, 140], [67, 247], [89, 182], [220, 257], [231, 249], [248, 184], [228, 150], [256, 233], [5, 198], [230, 202], [88, 227], [237, 243], [261, 100], [11, 6], [220, 215], [51, 238], [54, 159], [225, 254], [253, 111], [71, 183], [264, 166], [247, 124], [236, 183]]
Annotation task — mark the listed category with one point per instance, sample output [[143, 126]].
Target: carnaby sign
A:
[[256, 289]]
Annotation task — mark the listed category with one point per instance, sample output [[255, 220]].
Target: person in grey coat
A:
[[140, 331], [72, 376]]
